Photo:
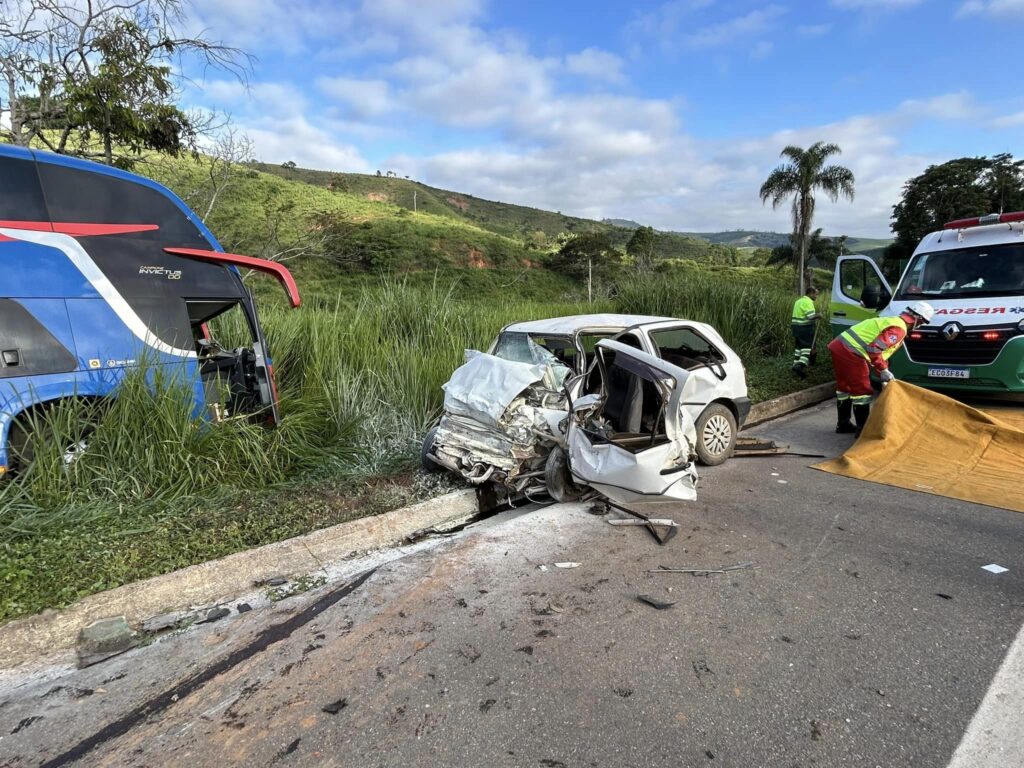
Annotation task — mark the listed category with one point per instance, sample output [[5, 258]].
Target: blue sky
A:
[[668, 113]]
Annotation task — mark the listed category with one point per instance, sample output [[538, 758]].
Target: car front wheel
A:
[[716, 434]]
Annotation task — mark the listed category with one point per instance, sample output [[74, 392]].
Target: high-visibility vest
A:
[[860, 337], [804, 312]]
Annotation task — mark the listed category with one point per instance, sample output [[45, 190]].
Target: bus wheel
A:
[[24, 436]]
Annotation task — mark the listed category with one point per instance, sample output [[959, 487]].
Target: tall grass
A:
[[358, 388], [753, 317]]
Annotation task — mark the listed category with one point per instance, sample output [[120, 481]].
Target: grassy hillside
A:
[[533, 227]]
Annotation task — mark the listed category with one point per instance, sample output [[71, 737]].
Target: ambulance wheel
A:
[[716, 435], [429, 465], [558, 479]]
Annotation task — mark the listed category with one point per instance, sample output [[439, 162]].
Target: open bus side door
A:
[[859, 291]]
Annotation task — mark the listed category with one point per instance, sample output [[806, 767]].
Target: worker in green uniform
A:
[[805, 321]]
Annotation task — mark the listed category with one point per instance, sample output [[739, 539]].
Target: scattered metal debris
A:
[[335, 706], [753, 447], [655, 602], [567, 565], [703, 571], [649, 521]]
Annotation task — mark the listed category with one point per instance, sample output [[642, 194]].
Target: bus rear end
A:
[[105, 271]]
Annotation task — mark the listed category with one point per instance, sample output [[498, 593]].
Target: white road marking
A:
[[994, 737]]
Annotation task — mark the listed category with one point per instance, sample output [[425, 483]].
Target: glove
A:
[[886, 376]]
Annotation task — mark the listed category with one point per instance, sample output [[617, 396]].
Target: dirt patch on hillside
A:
[[460, 203], [377, 197]]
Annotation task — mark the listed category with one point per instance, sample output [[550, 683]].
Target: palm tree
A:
[[800, 177]]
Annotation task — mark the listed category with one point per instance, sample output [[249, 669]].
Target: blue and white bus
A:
[[103, 271]]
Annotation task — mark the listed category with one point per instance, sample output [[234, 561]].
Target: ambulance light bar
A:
[[982, 221]]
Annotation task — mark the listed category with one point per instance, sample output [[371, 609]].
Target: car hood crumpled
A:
[[485, 386]]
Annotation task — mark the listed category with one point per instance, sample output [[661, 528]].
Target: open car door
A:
[[859, 291], [632, 440]]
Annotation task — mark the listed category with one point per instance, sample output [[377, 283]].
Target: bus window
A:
[[21, 197], [78, 195]]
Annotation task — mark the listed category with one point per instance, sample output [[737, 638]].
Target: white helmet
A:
[[922, 310]]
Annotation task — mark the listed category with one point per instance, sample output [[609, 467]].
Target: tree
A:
[[99, 79], [805, 173], [641, 247], [590, 255], [825, 250], [960, 188]]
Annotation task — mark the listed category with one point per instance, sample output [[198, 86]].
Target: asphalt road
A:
[[866, 635]]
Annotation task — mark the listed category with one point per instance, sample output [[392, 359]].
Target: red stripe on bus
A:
[[79, 229]]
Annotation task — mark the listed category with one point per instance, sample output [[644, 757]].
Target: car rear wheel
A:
[[716, 435], [558, 478], [429, 465]]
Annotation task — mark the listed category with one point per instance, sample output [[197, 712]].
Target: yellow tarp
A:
[[925, 441]]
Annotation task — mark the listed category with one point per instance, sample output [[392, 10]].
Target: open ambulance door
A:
[[632, 440], [859, 291]]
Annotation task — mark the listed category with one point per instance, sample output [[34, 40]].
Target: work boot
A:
[[843, 424], [861, 411], [800, 370]]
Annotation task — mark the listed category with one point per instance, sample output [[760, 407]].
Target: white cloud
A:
[[1009, 121], [949, 106], [995, 8], [595, 64], [727, 32], [544, 131], [360, 98], [814, 30], [308, 146], [762, 50], [283, 24], [874, 5]]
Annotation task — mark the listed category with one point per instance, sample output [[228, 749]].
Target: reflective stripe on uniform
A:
[[861, 337], [804, 312]]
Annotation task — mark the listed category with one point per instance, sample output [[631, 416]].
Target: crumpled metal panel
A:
[[628, 477]]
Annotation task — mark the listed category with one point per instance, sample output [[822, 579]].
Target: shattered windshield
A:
[[520, 347], [992, 270]]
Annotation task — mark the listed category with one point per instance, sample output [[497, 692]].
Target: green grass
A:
[[360, 381]]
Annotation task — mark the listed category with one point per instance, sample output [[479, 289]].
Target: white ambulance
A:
[[972, 272]]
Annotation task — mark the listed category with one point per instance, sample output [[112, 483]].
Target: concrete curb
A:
[[780, 406], [51, 632]]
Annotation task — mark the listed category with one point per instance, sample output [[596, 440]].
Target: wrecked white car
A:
[[618, 403]]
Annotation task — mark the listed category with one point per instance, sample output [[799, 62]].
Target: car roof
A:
[[574, 323], [971, 237]]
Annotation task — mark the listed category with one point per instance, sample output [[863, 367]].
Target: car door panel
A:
[[630, 472], [853, 275]]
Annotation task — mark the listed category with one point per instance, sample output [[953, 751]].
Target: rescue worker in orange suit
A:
[[869, 344]]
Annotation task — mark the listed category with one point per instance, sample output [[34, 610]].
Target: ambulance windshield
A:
[[964, 273]]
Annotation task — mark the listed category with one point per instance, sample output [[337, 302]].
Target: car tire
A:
[[429, 465], [558, 479], [716, 435]]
